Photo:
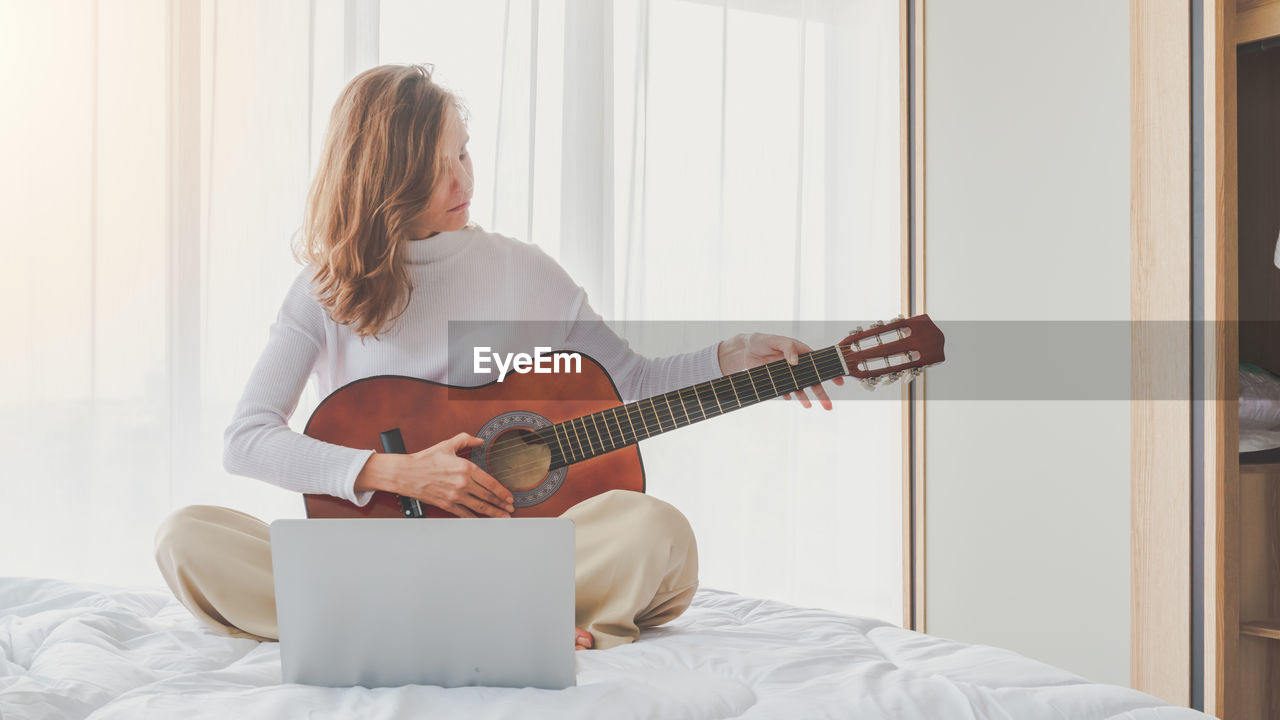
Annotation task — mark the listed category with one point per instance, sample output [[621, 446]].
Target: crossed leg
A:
[[636, 567]]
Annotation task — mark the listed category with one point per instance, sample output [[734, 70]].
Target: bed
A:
[[109, 653]]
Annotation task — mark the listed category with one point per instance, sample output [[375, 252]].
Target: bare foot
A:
[[582, 639]]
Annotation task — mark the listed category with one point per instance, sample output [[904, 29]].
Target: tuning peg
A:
[[899, 317], [856, 330], [878, 323], [869, 383]]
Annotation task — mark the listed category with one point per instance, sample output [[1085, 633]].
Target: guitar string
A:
[[634, 441], [829, 364], [826, 365], [601, 447], [597, 449], [830, 361]]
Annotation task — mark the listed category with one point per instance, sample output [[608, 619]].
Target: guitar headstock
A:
[[885, 352]]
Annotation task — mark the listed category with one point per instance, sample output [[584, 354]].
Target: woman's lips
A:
[[463, 205]]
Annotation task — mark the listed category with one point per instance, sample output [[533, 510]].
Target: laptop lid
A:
[[388, 602]]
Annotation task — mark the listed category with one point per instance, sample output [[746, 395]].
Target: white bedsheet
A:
[[77, 651]]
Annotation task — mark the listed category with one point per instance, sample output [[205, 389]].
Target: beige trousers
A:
[[636, 566]]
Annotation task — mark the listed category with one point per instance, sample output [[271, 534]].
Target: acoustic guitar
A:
[[557, 439]]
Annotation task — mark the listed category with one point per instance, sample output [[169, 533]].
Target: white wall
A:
[[1027, 202]]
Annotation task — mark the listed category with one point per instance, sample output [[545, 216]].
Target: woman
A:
[[391, 259]]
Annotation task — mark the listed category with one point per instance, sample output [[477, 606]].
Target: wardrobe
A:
[[1205, 258], [1257, 526]]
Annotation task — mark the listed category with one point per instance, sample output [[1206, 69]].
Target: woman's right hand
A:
[[438, 476]]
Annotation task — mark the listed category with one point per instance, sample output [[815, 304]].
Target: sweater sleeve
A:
[[259, 442], [636, 376]]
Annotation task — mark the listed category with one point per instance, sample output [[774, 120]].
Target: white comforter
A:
[[77, 651]]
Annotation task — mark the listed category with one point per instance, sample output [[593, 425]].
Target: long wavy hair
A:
[[377, 168]]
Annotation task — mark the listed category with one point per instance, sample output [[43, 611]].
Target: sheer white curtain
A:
[[702, 168]]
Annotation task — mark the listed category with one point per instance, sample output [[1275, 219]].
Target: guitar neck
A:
[[582, 438]]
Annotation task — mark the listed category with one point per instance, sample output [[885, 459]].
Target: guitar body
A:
[[503, 414]]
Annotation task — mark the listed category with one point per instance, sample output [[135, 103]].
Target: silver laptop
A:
[[387, 602]]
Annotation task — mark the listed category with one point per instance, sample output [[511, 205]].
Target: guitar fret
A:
[[789, 376], [735, 392], [739, 379], [798, 370], [597, 426], [754, 389], [613, 437], [627, 411], [729, 381], [610, 428], [553, 432], [577, 438], [768, 373], [680, 397], [643, 422], [698, 405], [656, 417], [592, 442], [833, 360], [695, 397], [648, 432], [817, 376], [795, 384], [579, 433], [648, 429], [659, 418], [707, 387], [671, 415], [623, 428], [578, 451], [667, 399], [716, 394], [574, 439], [778, 365]]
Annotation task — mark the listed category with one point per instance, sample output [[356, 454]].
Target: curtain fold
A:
[[702, 167]]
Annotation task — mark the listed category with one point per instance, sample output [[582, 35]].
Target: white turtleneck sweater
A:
[[493, 284]]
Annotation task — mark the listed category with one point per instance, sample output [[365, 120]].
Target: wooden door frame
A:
[[1220, 450], [1164, 277], [1160, 303]]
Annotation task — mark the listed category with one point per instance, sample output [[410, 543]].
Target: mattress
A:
[[107, 653]]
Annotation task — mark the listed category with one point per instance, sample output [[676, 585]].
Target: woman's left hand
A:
[[750, 350]]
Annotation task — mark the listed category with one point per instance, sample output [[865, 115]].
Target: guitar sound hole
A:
[[518, 459]]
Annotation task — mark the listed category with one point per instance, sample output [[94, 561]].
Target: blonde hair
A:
[[377, 169]]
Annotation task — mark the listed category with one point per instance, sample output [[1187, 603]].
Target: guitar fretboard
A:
[[585, 437]]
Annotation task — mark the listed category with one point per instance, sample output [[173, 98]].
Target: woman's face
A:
[[449, 207]]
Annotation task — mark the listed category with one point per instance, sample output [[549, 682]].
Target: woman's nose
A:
[[461, 177]]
